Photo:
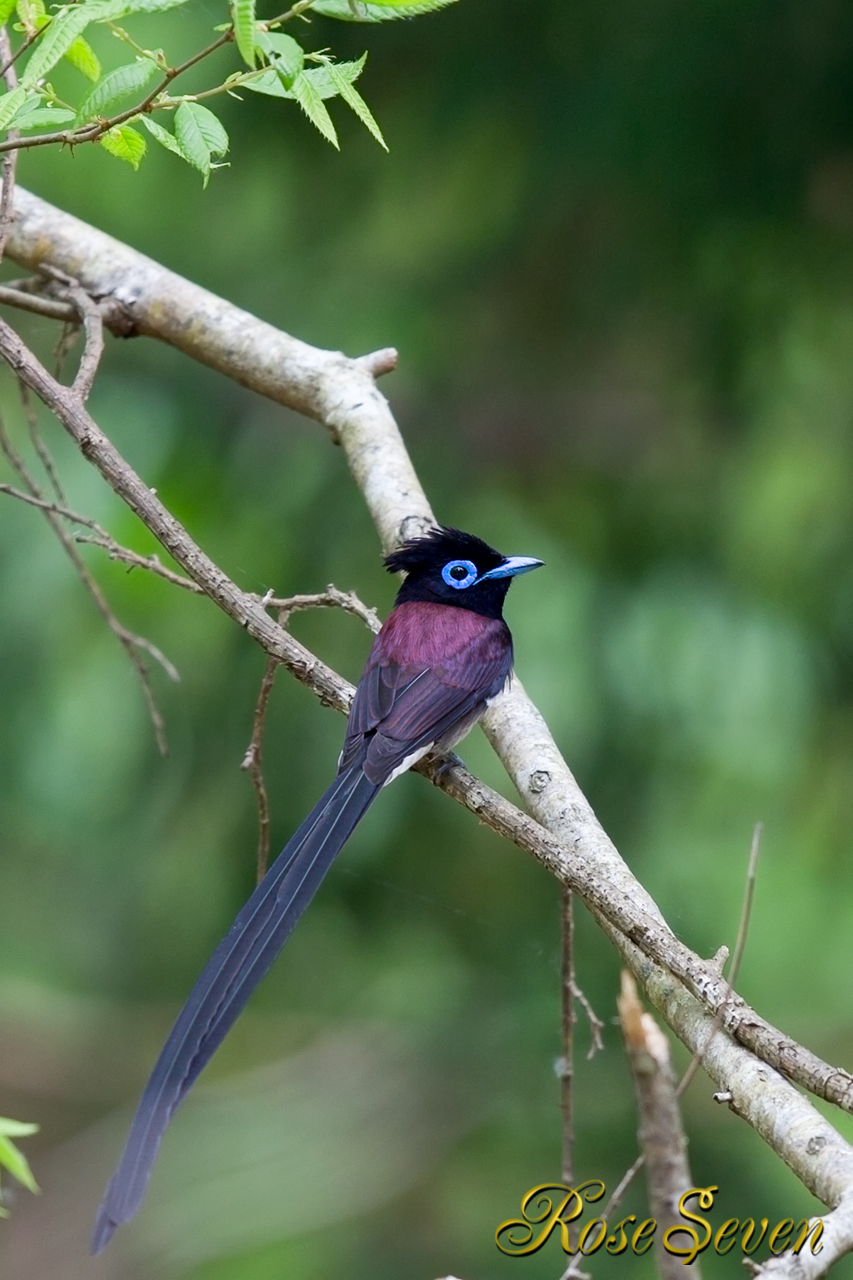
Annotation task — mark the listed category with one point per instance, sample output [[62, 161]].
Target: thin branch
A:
[[596, 1026], [331, 598], [93, 329], [661, 1132], [567, 1068], [134, 560], [39, 445], [253, 764], [33, 302], [11, 58], [45, 504], [743, 930]]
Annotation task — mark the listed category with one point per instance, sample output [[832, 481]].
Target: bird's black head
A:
[[446, 566]]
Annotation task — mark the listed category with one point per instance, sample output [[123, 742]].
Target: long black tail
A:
[[231, 975]]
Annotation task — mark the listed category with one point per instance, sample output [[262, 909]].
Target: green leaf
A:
[[354, 100], [10, 105], [162, 135], [7, 8], [376, 10], [270, 82], [245, 29], [285, 53], [312, 104], [210, 127], [42, 118], [125, 143], [115, 86], [82, 56], [11, 1159], [323, 82], [191, 140], [64, 29]]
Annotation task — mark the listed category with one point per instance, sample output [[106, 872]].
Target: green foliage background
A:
[[614, 246]]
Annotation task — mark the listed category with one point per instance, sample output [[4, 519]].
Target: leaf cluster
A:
[[116, 103]]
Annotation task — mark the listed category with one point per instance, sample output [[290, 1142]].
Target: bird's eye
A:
[[459, 573]]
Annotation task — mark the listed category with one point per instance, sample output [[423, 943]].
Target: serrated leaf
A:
[[191, 140], [82, 56], [374, 11], [286, 55], [312, 104], [42, 118], [64, 29], [211, 129], [354, 101], [270, 82], [115, 86], [10, 105], [11, 1159], [125, 143], [245, 29], [7, 8], [323, 82], [162, 136]]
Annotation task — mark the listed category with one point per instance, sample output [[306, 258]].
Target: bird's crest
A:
[[433, 549]]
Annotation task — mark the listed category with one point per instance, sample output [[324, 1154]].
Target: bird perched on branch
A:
[[440, 657]]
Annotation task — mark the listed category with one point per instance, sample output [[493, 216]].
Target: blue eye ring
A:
[[451, 575]]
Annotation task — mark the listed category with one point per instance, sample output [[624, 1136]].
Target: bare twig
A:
[[39, 445], [93, 328], [134, 560], [331, 598], [596, 1026], [253, 763], [567, 988], [45, 504], [661, 1133], [9, 59], [746, 909], [743, 930], [34, 302], [622, 1186]]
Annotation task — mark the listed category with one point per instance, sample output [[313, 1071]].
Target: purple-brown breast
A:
[[458, 645], [431, 671]]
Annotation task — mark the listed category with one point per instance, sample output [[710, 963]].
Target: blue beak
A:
[[513, 566]]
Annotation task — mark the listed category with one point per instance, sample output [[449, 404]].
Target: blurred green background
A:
[[613, 243]]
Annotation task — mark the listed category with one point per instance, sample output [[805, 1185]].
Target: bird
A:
[[441, 656]]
